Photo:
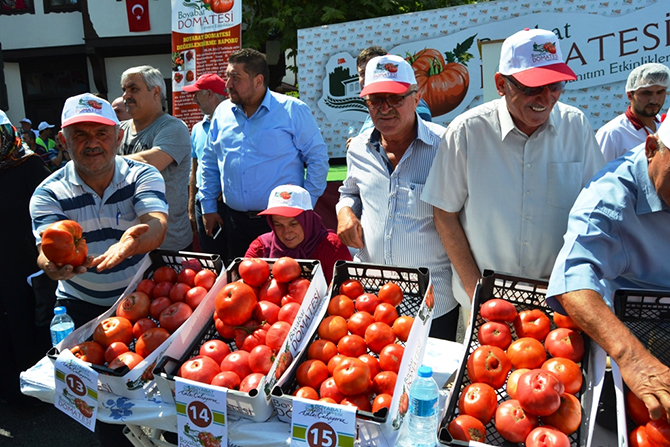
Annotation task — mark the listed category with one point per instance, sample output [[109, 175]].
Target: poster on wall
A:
[[601, 41], [204, 34]]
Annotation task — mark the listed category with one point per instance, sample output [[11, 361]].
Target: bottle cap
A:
[[60, 310], [425, 371]]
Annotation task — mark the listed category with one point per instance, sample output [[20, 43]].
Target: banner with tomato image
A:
[[204, 34]]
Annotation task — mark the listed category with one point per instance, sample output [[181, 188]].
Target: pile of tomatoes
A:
[[256, 313], [132, 334], [647, 433], [542, 408], [356, 357]]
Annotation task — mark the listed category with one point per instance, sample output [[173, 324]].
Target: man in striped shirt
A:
[[379, 211], [119, 203]]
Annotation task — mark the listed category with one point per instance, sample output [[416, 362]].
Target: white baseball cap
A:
[[88, 108], [3, 119], [534, 58], [26, 120], [44, 125], [288, 201], [387, 74]]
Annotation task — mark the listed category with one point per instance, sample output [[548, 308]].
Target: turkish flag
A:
[[138, 15]]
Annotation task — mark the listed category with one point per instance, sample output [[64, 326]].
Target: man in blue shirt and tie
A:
[[258, 140]]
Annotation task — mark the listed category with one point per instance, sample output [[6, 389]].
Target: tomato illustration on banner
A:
[[201, 414], [138, 15], [318, 424], [76, 389]]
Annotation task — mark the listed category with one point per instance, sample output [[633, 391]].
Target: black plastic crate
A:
[[159, 258], [414, 284], [525, 294]]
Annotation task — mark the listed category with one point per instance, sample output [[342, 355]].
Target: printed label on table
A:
[[201, 414], [322, 425], [76, 389]]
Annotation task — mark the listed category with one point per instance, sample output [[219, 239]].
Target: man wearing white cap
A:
[[619, 237], [27, 125], [508, 171], [119, 203], [379, 211], [646, 88]]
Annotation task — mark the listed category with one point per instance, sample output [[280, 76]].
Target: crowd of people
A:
[[518, 185]]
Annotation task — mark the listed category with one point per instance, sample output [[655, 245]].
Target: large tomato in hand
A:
[[221, 6], [490, 365], [174, 316], [636, 409], [568, 417], [547, 437], [494, 333], [113, 329], [89, 351], [512, 422], [532, 323], [133, 307], [568, 371], [658, 432], [478, 400], [352, 376], [498, 310], [63, 243], [638, 437], [199, 369], [254, 271], [539, 392], [235, 303], [286, 269], [150, 341], [566, 343], [526, 352], [467, 428]]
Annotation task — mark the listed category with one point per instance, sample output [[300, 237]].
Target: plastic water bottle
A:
[[61, 325], [424, 396]]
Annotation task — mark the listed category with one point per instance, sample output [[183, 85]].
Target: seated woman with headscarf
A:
[[297, 231]]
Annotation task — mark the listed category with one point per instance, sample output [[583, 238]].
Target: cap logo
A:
[[387, 70], [544, 52], [284, 195], [85, 105]]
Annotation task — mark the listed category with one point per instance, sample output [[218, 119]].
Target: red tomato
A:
[[329, 389], [200, 369], [402, 327], [235, 303], [251, 382], [260, 359], [286, 269], [526, 352], [512, 422], [254, 271], [532, 323], [265, 311], [162, 288], [382, 401], [159, 305], [352, 376], [258, 337], [306, 392], [386, 313], [359, 322], [351, 288], [277, 334], [390, 357], [359, 401], [178, 292], [227, 379], [205, 278], [90, 351], [63, 243], [328, 400], [221, 6], [187, 276], [390, 293], [568, 371], [490, 365], [113, 329], [165, 273], [311, 373], [133, 307], [378, 335], [150, 341], [658, 432], [146, 286], [513, 381], [568, 417], [498, 310], [565, 321], [216, 349], [352, 346], [288, 312], [494, 333], [341, 305], [237, 362], [226, 331], [478, 400], [547, 437], [334, 361], [372, 362], [367, 302], [638, 437], [384, 382], [636, 409], [539, 392], [333, 328], [273, 291], [566, 343], [297, 289], [113, 350], [129, 359], [467, 428], [174, 316], [141, 326], [194, 296]]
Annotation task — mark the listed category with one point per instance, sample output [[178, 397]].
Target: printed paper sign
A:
[[76, 389], [201, 414], [322, 425]]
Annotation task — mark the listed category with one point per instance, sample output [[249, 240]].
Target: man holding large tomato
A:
[[379, 211], [619, 237], [119, 203], [508, 171]]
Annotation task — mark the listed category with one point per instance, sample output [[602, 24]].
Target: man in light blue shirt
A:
[[258, 140], [619, 237], [380, 211]]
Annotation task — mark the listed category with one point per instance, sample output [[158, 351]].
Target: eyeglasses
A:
[[533, 91], [393, 101]]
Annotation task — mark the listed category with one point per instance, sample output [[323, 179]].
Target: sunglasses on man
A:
[[533, 91]]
